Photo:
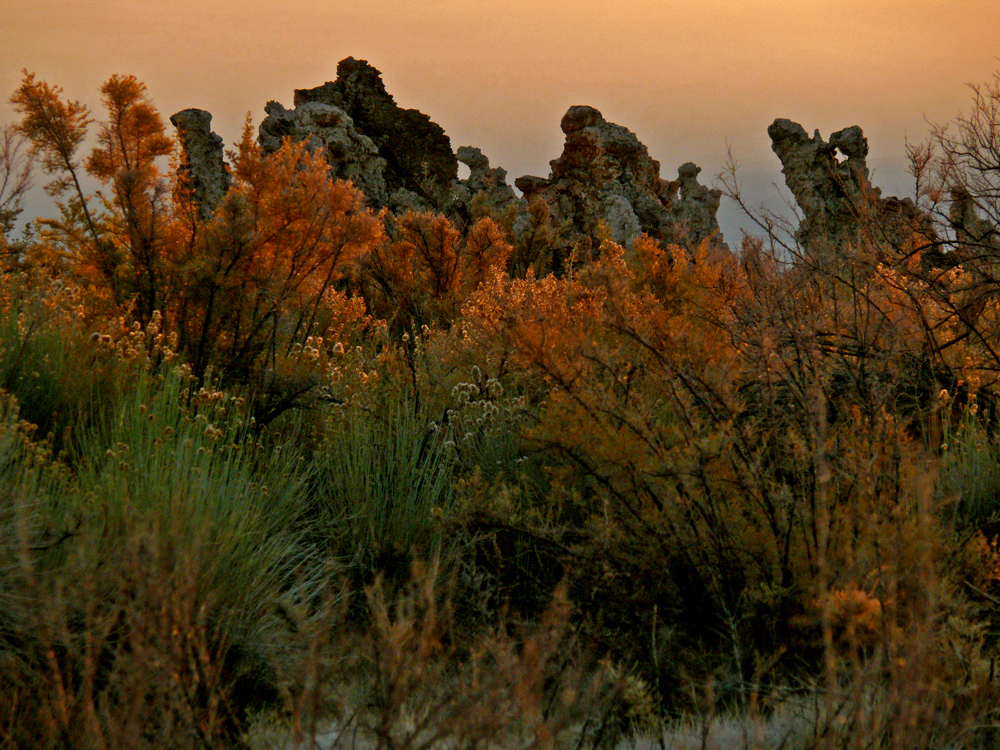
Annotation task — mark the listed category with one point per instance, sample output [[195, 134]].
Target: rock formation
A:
[[830, 183], [605, 176], [604, 182], [490, 184], [971, 230], [695, 209], [329, 130], [399, 158], [208, 177], [418, 154]]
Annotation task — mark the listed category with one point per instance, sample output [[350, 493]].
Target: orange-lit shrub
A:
[[421, 276], [271, 268]]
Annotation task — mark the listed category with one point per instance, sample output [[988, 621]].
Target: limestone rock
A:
[[620, 218], [830, 183], [398, 157], [530, 185], [328, 129], [416, 150], [605, 176], [486, 184], [970, 228], [695, 209], [402, 200], [204, 161]]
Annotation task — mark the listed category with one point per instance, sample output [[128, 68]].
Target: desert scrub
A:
[[188, 461], [410, 677], [971, 471], [149, 615], [381, 470], [48, 364], [483, 426]]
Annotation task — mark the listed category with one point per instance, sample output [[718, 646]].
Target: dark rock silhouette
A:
[[605, 179], [208, 178], [604, 182], [830, 183], [971, 229], [328, 129], [416, 150]]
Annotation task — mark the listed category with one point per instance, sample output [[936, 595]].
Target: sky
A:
[[693, 79]]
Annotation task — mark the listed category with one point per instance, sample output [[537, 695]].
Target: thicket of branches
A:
[[298, 463]]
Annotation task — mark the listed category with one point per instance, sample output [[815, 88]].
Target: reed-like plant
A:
[[382, 469], [142, 591], [971, 473]]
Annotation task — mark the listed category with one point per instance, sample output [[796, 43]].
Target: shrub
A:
[[382, 471], [143, 589]]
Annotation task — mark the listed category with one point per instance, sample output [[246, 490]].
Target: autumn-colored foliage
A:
[[740, 476], [270, 270], [129, 143], [423, 271]]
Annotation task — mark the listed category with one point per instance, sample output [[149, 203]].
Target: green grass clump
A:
[[143, 588], [972, 470], [381, 471]]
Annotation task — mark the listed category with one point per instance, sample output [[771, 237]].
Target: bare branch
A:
[[15, 177]]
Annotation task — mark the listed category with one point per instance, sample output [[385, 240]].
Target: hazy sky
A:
[[689, 77]]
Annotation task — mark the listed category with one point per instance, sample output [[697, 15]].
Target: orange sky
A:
[[687, 76]]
